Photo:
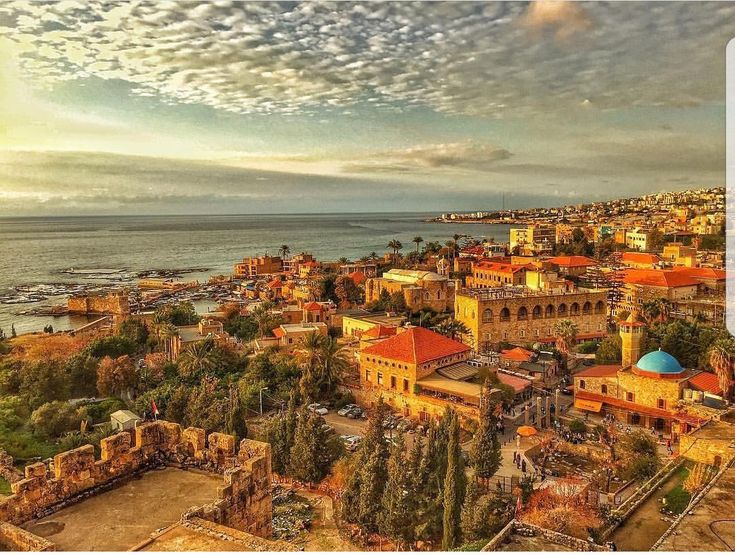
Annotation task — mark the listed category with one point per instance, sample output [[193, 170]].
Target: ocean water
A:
[[36, 250]]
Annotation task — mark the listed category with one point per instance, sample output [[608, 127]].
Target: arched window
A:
[[574, 309], [505, 314], [487, 315], [599, 307], [562, 310], [587, 308], [581, 384], [536, 313], [550, 311], [523, 313]]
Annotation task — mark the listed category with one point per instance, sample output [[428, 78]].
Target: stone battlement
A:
[[243, 501], [113, 303]]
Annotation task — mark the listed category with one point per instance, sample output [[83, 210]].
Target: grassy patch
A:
[[24, 445], [4, 487], [476, 545]]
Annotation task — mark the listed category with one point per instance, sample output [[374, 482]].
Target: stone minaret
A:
[[631, 332]]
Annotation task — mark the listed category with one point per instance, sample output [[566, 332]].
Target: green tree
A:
[[133, 329], [395, 245], [395, 518], [609, 350], [454, 488], [722, 359], [235, 423], [485, 452], [56, 417], [177, 314], [197, 359], [453, 329], [418, 240], [116, 377]]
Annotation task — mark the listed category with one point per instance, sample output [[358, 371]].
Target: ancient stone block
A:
[[116, 445]]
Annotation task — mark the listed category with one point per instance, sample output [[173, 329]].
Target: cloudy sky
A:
[[187, 107]]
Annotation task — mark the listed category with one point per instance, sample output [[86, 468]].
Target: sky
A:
[[188, 107]]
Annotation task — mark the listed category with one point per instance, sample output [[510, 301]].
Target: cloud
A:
[[429, 158], [498, 60]]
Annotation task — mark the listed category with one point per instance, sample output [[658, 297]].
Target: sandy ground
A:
[[125, 516]]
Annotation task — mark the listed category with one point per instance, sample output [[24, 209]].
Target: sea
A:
[[41, 250]]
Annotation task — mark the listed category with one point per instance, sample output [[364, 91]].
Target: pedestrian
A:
[[523, 466], [515, 456]]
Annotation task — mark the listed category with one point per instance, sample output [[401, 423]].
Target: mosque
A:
[[652, 391]]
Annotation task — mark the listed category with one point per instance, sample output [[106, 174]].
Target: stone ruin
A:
[[243, 501]]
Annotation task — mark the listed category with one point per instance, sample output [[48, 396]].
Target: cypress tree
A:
[[304, 454], [485, 453], [373, 476], [396, 518], [453, 488]]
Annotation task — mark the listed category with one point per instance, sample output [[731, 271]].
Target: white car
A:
[[317, 408]]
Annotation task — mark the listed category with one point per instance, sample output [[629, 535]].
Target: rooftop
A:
[[416, 346], [492, 293], [412, 276], [437, 382], [659, 278], [572, 261]]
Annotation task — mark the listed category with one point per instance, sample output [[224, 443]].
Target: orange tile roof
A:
[[518, 384], [641, 258], [706, 381], [275, 284], [572, 261], [416, 346], [279, 332], [357, 277], [380, 331], [702, 273], [313, 307], [517, 354], [600, 371], [658, 278], [500, 267]]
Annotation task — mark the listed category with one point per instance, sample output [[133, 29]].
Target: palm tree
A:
[[396, 245], [334, 363], [285, 250], [418, 240], [373, 255], [566, 336], [197, 358], [264, 318], [308, 357], [656, 310], [722, 360]]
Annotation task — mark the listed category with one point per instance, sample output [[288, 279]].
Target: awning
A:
[[584, 404]]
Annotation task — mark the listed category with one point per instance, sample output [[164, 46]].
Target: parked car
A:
[[351, 442], [317, 408], [354, 413], [347, 408]]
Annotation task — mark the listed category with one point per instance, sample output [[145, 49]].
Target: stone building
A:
[[486, 273], [253, 266], [113, 303], [421, 289], [571, 265], [652, 390], [420, 373], [207, 328], [521, 315]]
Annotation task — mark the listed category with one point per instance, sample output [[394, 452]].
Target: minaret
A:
[[631, 332]]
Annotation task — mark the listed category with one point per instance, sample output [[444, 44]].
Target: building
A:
[[207, 328], [254, 266], [571, 265], [496, 274], [678, 254], [420, 373], [368, 269], [640, 260], [521, 315], [533, 239], [637, 239], [123, 420], [652, 391], [113, 303], [420, 289], [289, 335], [354, 325]]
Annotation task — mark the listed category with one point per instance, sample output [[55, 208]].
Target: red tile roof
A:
[[706, 381], [572, 261], [641, 258], [275, 284], [357, 277], [518, 384], [416, 346], [601, 371], [313, 307], [658, 278], [279, 332], [517, 354]]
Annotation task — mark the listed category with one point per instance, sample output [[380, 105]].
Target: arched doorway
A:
[[635, 418]]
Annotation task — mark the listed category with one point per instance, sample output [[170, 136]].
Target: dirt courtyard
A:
[[121, 518]]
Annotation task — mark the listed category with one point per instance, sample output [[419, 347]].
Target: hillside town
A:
[[551, 392]]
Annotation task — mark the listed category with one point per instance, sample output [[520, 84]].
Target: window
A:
[[405, 384], [587, 308], [661, 403], [505, 315], [582, 385], [367, 375], [380, 378], [523, 313], [392, 382], [487, 315], [603, 389], [536, 314], [629, 397]]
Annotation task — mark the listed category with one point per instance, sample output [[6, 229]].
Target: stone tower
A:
[[631, 332]]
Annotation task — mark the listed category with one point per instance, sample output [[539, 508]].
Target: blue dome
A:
[[659, 362]]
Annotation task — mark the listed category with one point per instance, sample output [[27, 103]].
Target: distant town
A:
[[551, 392]]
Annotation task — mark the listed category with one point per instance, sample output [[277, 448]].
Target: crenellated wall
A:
[[244, 500]]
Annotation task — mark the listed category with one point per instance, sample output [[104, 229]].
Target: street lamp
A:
[[260, 394]]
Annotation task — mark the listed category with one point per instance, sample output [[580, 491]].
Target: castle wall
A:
[[114, 303], [244, 499]]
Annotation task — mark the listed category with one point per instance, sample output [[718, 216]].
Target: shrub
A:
[[641, 468], [577, 427], [587, 348], [56, 417], [100, 412]]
